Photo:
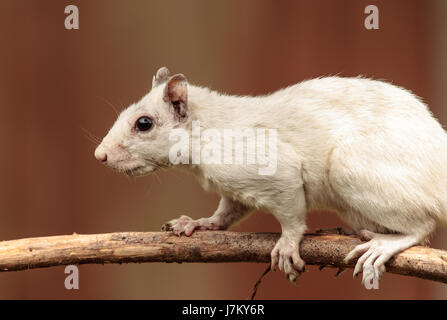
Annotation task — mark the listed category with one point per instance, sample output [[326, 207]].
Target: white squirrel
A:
[[369, 150]]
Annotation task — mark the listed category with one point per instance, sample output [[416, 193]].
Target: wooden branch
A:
[[204, 246]]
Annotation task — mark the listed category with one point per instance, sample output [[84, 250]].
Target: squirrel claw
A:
[[166, 227], [339, 271], [338, 230]]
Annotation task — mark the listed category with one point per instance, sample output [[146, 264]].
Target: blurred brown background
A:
[[55, 83]]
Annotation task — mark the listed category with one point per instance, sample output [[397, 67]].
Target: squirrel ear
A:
[[176, 94], [161, 77]]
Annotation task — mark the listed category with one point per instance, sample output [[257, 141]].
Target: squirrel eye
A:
[[143, 124]]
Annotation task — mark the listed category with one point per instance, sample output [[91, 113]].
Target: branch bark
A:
[[203, 246]]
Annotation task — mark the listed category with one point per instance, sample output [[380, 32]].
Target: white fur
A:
[[367, 149]]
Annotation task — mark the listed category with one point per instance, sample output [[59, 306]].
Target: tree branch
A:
[[204, 246]]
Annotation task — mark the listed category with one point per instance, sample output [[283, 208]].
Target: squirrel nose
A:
[[100, 154]]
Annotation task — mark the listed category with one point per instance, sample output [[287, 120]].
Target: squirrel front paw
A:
[[186, 225], [286, 255]]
